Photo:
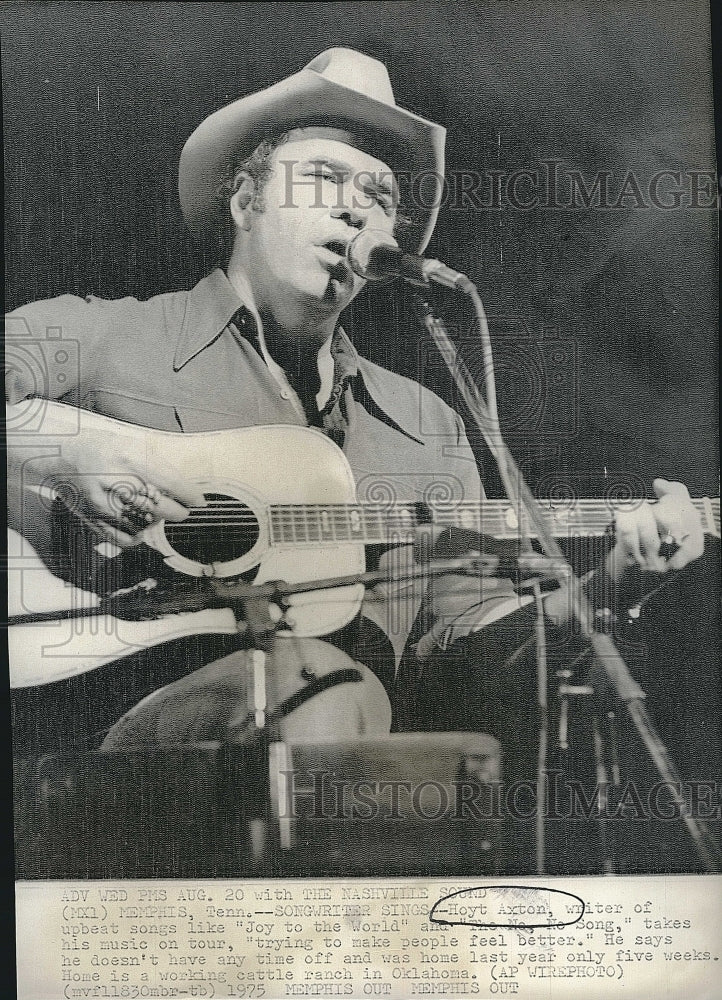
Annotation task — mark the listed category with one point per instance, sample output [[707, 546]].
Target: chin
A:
[[329, 293], [339, 293]]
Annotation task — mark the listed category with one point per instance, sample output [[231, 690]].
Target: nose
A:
[[354, 217]]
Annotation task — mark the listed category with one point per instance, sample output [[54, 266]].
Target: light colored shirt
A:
[[194, 361]]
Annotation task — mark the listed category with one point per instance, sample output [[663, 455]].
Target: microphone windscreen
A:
[[373, 255]]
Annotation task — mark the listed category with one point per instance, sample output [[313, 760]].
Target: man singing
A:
[[279, 183]]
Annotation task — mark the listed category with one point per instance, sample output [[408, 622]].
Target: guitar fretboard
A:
[[314, 524]]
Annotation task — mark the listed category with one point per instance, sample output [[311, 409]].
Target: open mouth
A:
[[337, 264], [336, 246]]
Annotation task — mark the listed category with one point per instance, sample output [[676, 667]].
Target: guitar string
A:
[[409, 506], [305, 516], [370, 510], [305, 511], [491, 503]]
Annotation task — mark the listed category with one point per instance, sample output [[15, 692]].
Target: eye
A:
[[325, 173], [384, 201]]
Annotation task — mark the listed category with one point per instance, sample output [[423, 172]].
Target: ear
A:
[[241, 203]]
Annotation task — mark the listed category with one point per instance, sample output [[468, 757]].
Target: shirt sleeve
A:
[[459, 605], [52, 349]]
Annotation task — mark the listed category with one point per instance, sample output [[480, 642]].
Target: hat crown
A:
[[356, 71], [341, 88]]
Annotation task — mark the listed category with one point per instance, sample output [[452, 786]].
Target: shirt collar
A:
[[345, 356], [210, 307], [214, 302]]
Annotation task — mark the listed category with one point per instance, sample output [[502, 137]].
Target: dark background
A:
[[604, 321]]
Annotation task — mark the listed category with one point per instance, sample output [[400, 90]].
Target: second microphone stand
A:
[[530, 515]]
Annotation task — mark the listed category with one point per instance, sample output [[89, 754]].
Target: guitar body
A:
[[281, 505], [249, 467], [240, 471]]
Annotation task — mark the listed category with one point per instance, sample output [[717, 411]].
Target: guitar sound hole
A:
[[224, 530]]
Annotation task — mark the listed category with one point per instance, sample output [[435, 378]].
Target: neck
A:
[[294, 329], [296, 354]]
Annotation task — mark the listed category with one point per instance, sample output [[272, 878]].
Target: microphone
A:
[[375, 256]]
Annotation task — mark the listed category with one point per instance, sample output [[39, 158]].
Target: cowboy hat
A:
[[341, 88]]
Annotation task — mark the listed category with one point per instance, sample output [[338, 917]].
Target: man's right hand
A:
[[105, 475], [128, 496]]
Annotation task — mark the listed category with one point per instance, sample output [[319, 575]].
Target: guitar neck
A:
[[368, 524]]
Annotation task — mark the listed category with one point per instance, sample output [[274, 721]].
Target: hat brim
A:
[[411, 146]]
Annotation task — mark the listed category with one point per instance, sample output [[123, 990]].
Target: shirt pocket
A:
[[159, 416]]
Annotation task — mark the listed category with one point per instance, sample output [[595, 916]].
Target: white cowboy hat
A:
[[340, 88]]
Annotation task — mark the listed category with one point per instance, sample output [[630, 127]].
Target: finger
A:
[[100, 501], [116, 517], [649, 540], [628, 538], [125, 494], [680, 525], [683, 557], [691, 546], [168, 509], [680, 559], [638, 536], [141, 503], [664, 487], [128, 506], [187, 493], [425, 647], [149, 503], [115, 535]]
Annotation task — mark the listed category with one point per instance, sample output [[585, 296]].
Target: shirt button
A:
[[285, 394]]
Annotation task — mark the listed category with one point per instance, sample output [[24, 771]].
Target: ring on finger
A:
[[134, 514], [148, 493], [670, 539]]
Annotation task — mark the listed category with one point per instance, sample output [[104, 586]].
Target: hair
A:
[[258, 166]]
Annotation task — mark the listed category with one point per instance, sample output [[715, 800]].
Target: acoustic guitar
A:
[[281, 505]]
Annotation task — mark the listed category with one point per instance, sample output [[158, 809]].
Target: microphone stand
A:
[[528, 513]]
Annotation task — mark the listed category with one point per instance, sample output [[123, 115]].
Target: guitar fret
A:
[[344, 525], [378, 527], [312, 524], [366, 520], [325, 523], [340, 529], [709, 514], [280, 526], [308, 534], [377, 523], [287, 528], [356, 522], [406, 522], [299, 523]]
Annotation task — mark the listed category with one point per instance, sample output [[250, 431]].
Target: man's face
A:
[[322, 191]]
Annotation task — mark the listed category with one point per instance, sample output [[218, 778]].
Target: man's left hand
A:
[[640, 533]]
